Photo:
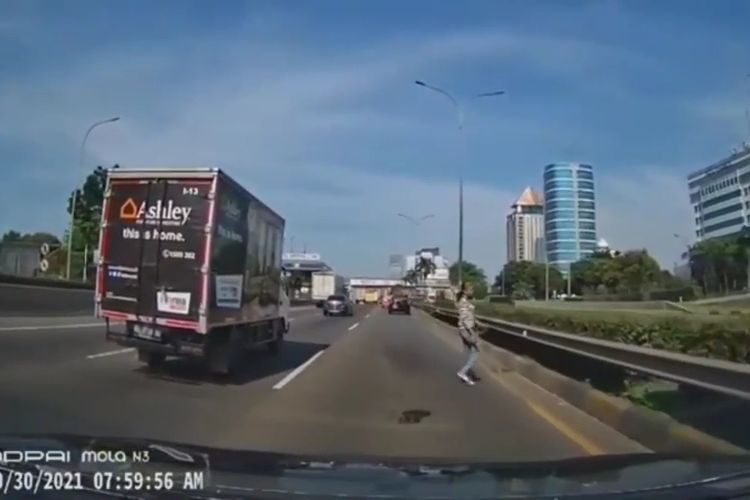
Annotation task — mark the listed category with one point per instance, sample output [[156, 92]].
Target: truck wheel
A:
[[274, 347], [154, 360], [225, 353]]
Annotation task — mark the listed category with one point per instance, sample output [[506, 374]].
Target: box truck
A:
[[325, 284], [189, 266]]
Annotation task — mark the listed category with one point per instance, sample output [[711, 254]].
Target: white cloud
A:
[[280, 128]]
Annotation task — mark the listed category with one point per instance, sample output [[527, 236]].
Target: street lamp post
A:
[[458, 106], [745, 241], [75, 192]]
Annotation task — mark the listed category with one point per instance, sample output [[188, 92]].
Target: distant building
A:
[[720, 196], [396, 266], [569, 213], [525, 228], [19, 258], [298, 269]]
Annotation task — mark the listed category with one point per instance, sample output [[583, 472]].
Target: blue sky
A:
[[312, 106]]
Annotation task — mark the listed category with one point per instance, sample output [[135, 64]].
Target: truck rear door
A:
[[153, 247]]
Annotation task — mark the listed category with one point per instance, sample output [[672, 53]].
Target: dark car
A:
[[338, 305], [399, 304]]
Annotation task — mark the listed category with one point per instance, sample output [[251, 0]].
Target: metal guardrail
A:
[[712, 374]]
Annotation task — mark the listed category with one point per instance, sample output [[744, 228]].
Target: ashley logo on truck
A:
[[130, 210]]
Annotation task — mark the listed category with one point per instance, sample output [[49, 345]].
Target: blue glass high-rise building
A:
[[569, 213]]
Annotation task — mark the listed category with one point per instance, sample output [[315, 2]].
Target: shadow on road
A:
[[256, 364]]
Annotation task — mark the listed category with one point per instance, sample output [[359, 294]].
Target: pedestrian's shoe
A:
[[465, 378]]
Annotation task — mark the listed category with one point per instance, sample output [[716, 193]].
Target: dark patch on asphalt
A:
[[413, 416]]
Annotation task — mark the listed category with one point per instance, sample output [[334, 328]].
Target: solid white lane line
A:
[[281, 383], [355, 325], [110, 353], [367, 315], [49, 327]]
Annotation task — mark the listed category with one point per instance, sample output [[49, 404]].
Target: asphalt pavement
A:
[[372, 385]]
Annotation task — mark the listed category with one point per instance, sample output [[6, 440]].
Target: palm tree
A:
[[424, 267], [411, 277]]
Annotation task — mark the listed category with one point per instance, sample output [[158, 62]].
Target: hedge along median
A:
[[721, 337]]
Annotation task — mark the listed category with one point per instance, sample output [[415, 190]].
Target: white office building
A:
[[525, 228], [720, 196]]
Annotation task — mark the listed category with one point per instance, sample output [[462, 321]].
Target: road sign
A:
[[44, 265], [45, 248]]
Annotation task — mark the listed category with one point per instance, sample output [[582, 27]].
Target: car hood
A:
[[257, 474]]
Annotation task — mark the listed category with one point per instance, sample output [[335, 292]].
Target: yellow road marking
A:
[[587, 444]]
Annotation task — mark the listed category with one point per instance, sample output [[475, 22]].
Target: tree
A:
[[36, 238], [471, 273], [522, 291], [411, 277], [424, 267], [532, 274], [721, 264], [633, 271], [88, 209]]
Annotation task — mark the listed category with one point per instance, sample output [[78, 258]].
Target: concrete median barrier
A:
[[28, 300]]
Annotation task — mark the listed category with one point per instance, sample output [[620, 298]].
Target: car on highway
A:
[[386, 302], [338, 305], [399, 304]]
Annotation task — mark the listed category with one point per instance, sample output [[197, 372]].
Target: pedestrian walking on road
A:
[[467, 329]]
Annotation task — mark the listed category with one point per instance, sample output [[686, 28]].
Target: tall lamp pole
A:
[[459, 108], [745, 241], [75, 191]]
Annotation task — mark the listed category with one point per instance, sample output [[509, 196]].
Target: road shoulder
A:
[[591, 435]]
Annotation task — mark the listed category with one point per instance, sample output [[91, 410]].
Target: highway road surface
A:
[[340, 387]]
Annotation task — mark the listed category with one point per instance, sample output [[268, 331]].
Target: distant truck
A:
[[357, 294], [372, 296], [325, 284], [189, 266]]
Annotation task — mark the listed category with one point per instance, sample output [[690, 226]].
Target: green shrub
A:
[[500, 299], [719, 337], [613, 297], [445, 304]]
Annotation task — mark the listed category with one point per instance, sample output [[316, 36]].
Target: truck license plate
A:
[[146, 332]]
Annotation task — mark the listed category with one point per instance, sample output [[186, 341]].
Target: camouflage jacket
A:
[[466, 320]]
